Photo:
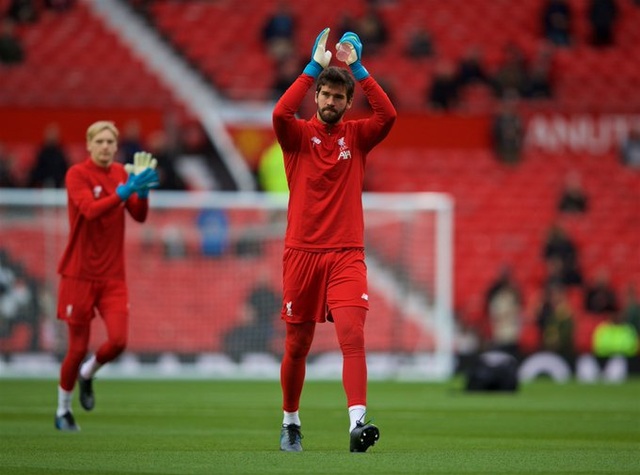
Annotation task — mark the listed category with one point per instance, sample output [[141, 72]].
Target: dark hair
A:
[[336, 76]]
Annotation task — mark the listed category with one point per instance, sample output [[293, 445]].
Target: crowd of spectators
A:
[[515, 78], [20, 301], [11, 48], [51, 159]]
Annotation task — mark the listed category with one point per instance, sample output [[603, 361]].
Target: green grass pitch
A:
[[177, 427]]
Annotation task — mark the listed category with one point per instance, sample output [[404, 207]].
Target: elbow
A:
[[391, 120], [279, 117], [393, 116]]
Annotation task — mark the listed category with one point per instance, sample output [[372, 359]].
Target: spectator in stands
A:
[[538, 82], [166, 154], [8, 178], [443, 91], [419, 43], [20, 304], [573, 197], [143, 8], [59, 5], [130, 142], [471, 69], [508, 130], [512, 73], [561, 255], [24, 11], [631, 307], [504, 307], [555, 319], [260, 312], [272, 178], [51, 162], [602, 16], [278, 32], [346, 22], [615, 337], [556, 22], [200, 163], [271, 174], [17, 297], [11, 49], [213, 225], [287, 70], [372, 29], [630, 148], [599, 295]]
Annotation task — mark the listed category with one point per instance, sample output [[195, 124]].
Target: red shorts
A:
[[80, 300], [314, 283]]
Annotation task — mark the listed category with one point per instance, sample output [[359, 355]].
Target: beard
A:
[[330, 115]]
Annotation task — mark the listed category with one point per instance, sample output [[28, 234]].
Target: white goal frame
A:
[[438, 363]]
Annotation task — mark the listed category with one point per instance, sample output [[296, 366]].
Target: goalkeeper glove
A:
[[140, 184], [353, 60], [320, 57], [141, 161]]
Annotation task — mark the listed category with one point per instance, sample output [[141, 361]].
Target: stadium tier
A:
[[74, 62]]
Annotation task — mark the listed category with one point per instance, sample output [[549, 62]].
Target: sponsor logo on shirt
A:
[[345, 153], [97, 191], [315, 140]]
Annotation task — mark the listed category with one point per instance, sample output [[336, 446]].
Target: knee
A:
[[77, 350], [352, 344], [298, 340], [75, 355], [118, 344], [351, 339], [297, 349], [297, 345]]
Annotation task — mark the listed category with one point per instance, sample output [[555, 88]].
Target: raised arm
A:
[[285, 123], [376, 127]]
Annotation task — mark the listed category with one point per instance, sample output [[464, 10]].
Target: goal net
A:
[[204, 276]]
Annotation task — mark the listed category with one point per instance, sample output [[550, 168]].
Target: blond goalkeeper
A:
[[92, 268]]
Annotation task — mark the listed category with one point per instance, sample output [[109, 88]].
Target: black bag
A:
[[493, 371]]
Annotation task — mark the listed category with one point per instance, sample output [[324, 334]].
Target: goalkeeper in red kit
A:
[[324, 271], [92, 268]]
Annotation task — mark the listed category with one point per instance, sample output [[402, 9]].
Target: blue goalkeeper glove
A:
[[140, 183], [320, 57], [353, 60], [141, 161]]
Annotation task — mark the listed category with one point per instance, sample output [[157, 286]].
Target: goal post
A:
[[204, 272]]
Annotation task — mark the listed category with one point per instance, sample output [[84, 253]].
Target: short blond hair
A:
[[97, 127]]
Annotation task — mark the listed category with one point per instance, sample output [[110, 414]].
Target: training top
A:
[[95, 250], [325, 167]]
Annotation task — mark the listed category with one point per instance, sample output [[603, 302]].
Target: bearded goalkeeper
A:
[[324, 271]]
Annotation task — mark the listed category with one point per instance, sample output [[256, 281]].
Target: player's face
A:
[[332, 103], [103, 147]]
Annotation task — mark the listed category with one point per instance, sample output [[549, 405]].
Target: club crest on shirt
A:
[[345, 153], [97, 191]]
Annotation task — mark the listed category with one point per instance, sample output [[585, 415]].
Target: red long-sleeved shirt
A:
[[325, 167], [95, 249]]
